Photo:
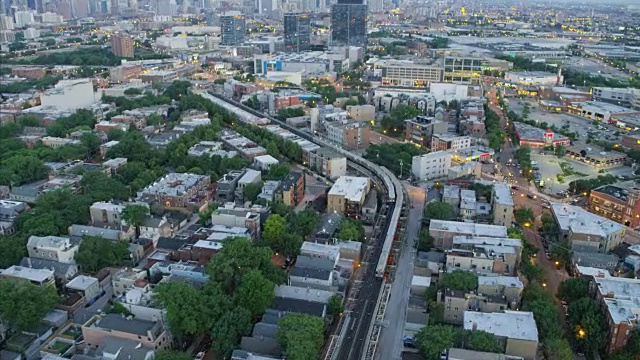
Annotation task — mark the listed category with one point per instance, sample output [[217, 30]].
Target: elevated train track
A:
[[355, 343]]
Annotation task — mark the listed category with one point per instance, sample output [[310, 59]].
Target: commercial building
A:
[[178, 190], [122, 45], [347, 195], [532, 78], [586, 231], [409, 74], [536, 137], [233, 28], [148, 334], [349, 23], [309, 63], [619, 202], [30, 72], [442, 142], [53, 248], [517, 327], [631, 140], [70, 95], [599, 111], [627, 97], [462, 70], [297, 32], [595, 155], [502, 202], [431, 166], [421, 129], [38, 277], [444, 232]]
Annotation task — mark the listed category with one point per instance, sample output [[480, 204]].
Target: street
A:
[[391, 337]]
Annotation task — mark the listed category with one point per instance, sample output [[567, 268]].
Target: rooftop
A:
[[532, 133], [320, 250], [502, 194], [49, 242], [301, 293], [476, 230], [299, 306], [451, 192], [498, 280], [603, 107], [116, 322], [81, 282], [352, 188], [174, 184], [623, 311], [510, 324], [266, 159], [467, 199], [577, 220], [35, 275], [619, 288]]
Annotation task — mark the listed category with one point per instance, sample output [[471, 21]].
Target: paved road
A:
[[390, 344]]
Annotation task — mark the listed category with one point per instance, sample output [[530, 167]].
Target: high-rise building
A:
[[463, 70], [79, 9], [6, 22], [349, 23], [122, 45], [297, 32], [24, 18], [233, 28]]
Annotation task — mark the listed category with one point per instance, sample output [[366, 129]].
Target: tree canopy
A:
[[23, 305], [438, 210], [524, 216], [460, 280], [432, 340], [96, 253], [301, 336], [351, 229]]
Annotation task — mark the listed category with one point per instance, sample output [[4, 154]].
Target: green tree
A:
[[334, 308], [432, 340], [436, 313], [172, 355], [274, 230], [351, 230], [303, 223], [191, 311], [135, 215], [438, 210], [557, 349], [585, 319], [228, 330], [482, 341], [278, 171], [524, 216], [559, 151], [301, 336], [573, 289], [133, 91], [255, 292], [96, 253], [251, 191], [425, 241], [238, 257], [460, 280], [23, 305]]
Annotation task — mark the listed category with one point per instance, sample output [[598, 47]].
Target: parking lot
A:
[[577, 124]]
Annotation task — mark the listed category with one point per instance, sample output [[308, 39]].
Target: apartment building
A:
[[106, 213], [179, 190], [290, 191], [150, 335], [619, 202], [328, 162], [232, 216], [226, 186], [444, 232], [484, 259], [467, 205], [456, 302], [431, 166], [421, 129], [451, 196], [53, 248], [586, 231], [347, 195], [502, 202], [509, 286], [250, 177], [56, 142], [349, 135], [620, 300], [517, 327]]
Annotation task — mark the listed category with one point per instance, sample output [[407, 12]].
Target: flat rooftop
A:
[[498, 280], [528, 132], [604, 107], [81, 282], [173, 184], [35, 275], [451, 192], [577, 220], [518, 325], [352, 188], [623, 311], [616, 287], [118, 323], [471, 229], [502, 194]]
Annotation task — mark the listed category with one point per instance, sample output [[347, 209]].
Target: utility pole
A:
[[401, 164]]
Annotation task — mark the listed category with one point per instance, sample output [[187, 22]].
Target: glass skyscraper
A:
[[349, 23], [297, 32]]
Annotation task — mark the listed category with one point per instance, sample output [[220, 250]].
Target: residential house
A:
[[290, 191], [585, 230], [150, 335], [444, 231], [55, 248], [517, 327]]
